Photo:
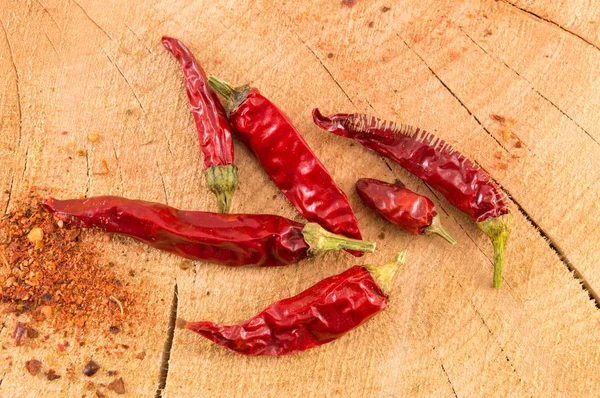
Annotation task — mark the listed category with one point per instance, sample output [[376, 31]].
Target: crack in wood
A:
[[577, 275], [449, 381], [26, 163], [12, 61], [323, 65], [124, 78], [162, 178], [51, 44], [166, 355], [551, 22], [48, 12], [90, 18], [531, 86], [139, 39], [87, 164], [453, 94]]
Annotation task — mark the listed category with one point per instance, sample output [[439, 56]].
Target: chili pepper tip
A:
[[320, 240], [222, 181], [498, 229], [437, 228], [384, 274]]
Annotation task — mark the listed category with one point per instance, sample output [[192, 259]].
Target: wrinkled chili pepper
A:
[[228, 239], [399, 205], [318, 315], [287, 159], [462, 182], [214, 131]]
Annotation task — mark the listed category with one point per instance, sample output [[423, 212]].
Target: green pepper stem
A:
[[498, 229], [222, 181], [320, 240], [233, 96], [384, 274], [437, 228]]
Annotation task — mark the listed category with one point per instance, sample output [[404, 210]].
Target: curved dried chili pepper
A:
[[318, 315], [228, 239], [287, 159], [214, 131], [399, 205], [463, 183]]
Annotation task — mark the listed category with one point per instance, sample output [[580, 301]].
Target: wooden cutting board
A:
[[482, 75]]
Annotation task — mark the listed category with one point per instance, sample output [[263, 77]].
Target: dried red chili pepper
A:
[[399, 205], [463, 183], [214, 131], [228, 239], [287, 159], [318, 315]]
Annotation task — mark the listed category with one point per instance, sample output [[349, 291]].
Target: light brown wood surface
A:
[[446, 66]]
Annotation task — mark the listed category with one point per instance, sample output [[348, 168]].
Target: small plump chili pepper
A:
[[287, 159], [399, 205], [229, 239], [462, 182], [214, 131], [318, 315]]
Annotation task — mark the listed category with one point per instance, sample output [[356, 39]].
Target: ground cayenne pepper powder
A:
[[49, 273]]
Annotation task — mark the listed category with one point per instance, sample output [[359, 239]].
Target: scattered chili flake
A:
[[33, 366], [51, 375], [518, 144], [330, 55], [114, 329], [381, 235], [117, 386], [32, 333], [91, 368], [105, 167], [100, 394], [64, 132], [371, 24], [140, 355], [20, 333], [113, 372], [498, 155], [90, 385], [66, 283], [385, 9], [349, 3]]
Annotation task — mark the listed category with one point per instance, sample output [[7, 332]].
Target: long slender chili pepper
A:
[[228, 239], [287, 159], [463, 183], [318, 315], [399, 205], [214, 131]]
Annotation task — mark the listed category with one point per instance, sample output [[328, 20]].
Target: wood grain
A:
[[98, 67]]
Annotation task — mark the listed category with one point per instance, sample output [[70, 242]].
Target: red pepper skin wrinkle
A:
[[214, 131], [464, 184], [401, 206], [228, 239], [288, 161], [316, 316]]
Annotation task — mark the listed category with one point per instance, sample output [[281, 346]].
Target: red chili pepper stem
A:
[[234, 96], [437, 228], [222, 181], [384, 274], [498, 229], [320, 240]]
